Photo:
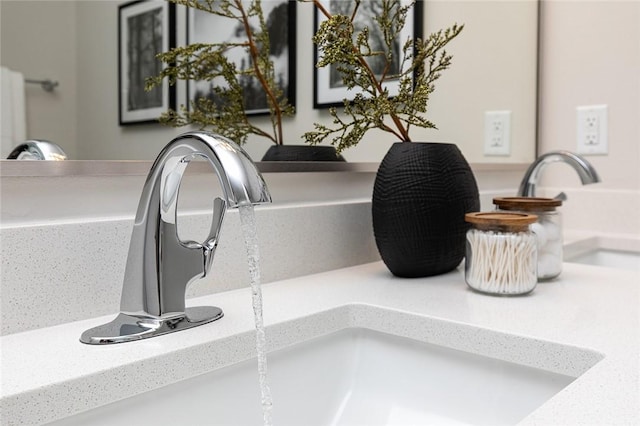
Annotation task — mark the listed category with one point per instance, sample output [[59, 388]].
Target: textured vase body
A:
[[301, 153], [421, 194]]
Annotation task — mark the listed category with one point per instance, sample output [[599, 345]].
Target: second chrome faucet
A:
[[160, 266], [531, 177]]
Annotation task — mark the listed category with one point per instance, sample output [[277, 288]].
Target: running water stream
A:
[[248, 222]]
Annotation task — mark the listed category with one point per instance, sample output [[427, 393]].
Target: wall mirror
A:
[[76, 43]]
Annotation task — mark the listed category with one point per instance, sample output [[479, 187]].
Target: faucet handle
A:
[[561, 196], [210, 244]]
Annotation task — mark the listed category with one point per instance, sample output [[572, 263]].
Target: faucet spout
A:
[[531, 177], [37, 149], [160, 266]]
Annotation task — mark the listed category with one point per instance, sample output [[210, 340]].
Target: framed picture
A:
[[145, 28], [280, 18], [329, 89]]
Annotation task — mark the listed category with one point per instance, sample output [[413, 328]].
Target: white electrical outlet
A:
[[497, 133], [592, 130]]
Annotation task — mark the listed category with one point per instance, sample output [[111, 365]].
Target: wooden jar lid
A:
[[527, 203], [502, 220]]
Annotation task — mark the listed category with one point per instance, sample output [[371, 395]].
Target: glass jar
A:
[[548, 229], [501, 253]]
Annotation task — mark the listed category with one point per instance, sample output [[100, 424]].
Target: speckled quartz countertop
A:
[[47, 374]]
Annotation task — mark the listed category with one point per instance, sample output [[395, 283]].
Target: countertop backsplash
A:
[[52, 274], [63, 256]]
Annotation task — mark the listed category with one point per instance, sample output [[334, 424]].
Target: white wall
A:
[[99, 134], [482, 79], [34, 43], [591, 55]]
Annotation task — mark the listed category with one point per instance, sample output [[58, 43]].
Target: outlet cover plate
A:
[[497, 133], [592, 130]]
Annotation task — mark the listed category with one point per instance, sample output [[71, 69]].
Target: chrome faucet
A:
[[160, 266], [585, 170], [37, 149]]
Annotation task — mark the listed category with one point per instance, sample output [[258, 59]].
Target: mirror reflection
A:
[[485, 103]]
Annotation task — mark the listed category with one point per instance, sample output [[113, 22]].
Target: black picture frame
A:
[[204, 27], [145, 28], [328, 90]]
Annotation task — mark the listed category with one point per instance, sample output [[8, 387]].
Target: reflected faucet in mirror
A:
[[160, 266], [531, 177], [37, 149]]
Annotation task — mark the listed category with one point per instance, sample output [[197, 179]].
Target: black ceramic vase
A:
[[301, 153], [420, 196]]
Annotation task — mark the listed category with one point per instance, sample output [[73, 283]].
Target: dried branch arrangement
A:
[[421, 61]]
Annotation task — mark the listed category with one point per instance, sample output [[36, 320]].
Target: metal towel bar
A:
[[47, 85]]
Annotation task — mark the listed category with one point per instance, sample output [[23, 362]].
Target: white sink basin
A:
[[609, 258], [351, 377]]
